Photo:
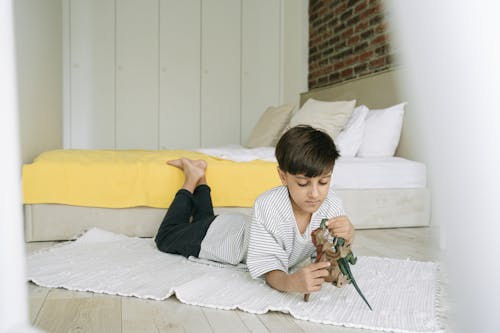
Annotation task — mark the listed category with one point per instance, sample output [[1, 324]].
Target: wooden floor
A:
[[59, 310]]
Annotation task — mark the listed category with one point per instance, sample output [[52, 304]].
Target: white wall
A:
[[452, 53], [39, 68], [118, 95]]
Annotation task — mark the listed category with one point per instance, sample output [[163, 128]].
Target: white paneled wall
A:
[[91, 83], [167, 74], [221, 72], [261, 60], [38, 34], [180, 86], [137, 84]]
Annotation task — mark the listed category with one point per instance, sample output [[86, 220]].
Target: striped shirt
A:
[[275, 242]]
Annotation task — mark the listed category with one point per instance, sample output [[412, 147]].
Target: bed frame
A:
[[367, 208]]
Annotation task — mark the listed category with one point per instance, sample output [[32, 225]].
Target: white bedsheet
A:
[[378, 172], [239, 153], [349, 172]]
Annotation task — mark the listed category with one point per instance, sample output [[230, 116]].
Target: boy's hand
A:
[[340, 226], [309, 278]]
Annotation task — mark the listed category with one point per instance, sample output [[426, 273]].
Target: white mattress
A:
[[349, 172]]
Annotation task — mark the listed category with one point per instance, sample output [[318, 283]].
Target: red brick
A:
[[346, 73], [353, 40], [360, 7], [365, 56], [340, 9], [378, 40], [316, 40], [362, 26], [377, 62], [338, 65], [348, 33], [369, 12], [352, 60]]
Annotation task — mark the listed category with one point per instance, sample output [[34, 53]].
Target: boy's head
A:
[[305, 163], [306, 151]]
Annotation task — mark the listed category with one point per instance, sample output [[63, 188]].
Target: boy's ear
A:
[[282, 175]]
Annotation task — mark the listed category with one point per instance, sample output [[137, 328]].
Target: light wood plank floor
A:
[[59, 310]]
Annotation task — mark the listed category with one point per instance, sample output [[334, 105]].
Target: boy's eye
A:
[[307, 183]]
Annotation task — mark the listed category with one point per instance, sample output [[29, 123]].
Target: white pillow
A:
[[382, 131], [330, 117], [270, 126], [349, 140]]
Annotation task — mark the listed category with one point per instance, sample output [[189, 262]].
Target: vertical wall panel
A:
[[91, 74], [137, 74], [180, 46], [261, 43], [221, 72]]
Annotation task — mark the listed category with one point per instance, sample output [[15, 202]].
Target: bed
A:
[[377, 191]]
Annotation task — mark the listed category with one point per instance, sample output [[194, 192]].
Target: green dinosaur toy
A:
[[339, 254]]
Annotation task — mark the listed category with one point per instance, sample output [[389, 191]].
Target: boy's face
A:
[[306, 193]]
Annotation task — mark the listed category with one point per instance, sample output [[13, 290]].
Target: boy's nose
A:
[[313, 193]]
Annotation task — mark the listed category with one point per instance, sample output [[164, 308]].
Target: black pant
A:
[[178, 234]]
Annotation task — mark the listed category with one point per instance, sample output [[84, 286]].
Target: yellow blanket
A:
[[129, 178]]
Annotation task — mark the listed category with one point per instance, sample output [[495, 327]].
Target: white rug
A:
[[403, 294]]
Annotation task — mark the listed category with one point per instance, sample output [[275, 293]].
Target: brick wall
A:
[[347, 39]]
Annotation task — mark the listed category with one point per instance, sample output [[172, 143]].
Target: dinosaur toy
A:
[[339, 254]]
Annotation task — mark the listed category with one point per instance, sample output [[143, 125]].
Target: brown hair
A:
[[306, 151]]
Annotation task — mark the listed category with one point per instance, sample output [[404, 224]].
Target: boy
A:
[[279, 234], [284, 217]]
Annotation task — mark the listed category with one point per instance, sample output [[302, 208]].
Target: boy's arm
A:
[[306, 280]]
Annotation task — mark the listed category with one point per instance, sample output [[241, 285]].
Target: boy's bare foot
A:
[[176, 163], [200, 163], [194, 172], [179, 163]]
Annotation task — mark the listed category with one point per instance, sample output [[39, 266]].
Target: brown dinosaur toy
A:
[[325, 251], [339, 254]]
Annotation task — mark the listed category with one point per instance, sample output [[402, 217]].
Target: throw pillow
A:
[[270, 126], [382, 131], [330, 117], [349, 139]]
